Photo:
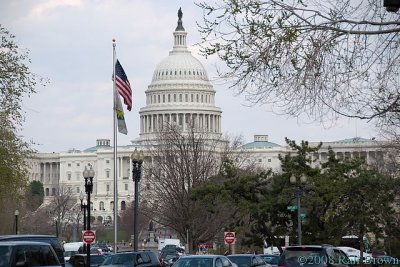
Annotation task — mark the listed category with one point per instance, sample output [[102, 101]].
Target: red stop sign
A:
[[89, 236], [229, 238]]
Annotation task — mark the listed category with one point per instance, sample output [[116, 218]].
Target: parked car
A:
[[204, 261], [271, 260], [170, 249], [27, 253], [314, 255], [355, 254], [247, 260], [70, 249], [49, 239], [130, 258], [167, 259], [80, 260]]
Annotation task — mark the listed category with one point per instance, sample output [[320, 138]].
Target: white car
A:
[[355, 254]]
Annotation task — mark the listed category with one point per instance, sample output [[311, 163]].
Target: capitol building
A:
[[180, 93]]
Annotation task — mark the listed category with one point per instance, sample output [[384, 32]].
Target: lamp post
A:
[[137, 160], [16, 213], [299, 182], [88, 174], [83, 208]]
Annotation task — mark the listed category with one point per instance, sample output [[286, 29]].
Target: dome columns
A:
[[153, 123]]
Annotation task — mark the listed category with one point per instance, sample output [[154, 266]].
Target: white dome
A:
[[179, 65], [180, 94]]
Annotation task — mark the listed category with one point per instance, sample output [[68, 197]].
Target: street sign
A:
[[230, 238], [89, 236], [292, 208]]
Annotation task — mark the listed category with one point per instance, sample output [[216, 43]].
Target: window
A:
[[101, 205], [108, 173], [78, 164], [108, 187], [159, 99], [107, 161], [169, 98], [180, 97], [78, 190], [174, 97], [163, 98], [126, 187], [69, 164], [69, 177], [186, 98], [269, 160], [259, 160], [123, 205]]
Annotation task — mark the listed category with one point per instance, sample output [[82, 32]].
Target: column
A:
[[184, 121], [51, 172]]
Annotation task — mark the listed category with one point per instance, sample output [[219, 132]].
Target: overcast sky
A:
[[70, 43]]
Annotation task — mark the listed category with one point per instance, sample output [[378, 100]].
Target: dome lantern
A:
[[180, 33]]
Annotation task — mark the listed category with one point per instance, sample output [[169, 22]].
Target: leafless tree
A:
[[63, 209], [180, 161], [127, 217], [323, 59]]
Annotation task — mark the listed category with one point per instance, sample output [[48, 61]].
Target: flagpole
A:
[[115, 157]]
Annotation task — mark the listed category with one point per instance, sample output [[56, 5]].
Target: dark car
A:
[[131, 259], [205, 260], [49, 239], [80, 260], [314, 255], [167, 259], [247, 260], [270, 260], [27, 253], [171, 249]]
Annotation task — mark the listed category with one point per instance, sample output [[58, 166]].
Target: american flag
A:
[[122, 83]]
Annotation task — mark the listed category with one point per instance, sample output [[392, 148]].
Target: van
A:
[[27, 253], [49, 239]]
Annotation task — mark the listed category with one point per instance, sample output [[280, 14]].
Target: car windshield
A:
[[70, 253], [5, 254], [108, 260], [194, 262], [270, 259], [302, 256], [124, 258], [241, 261], [96, 259]]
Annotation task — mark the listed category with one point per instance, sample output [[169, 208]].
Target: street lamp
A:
[[88, 174], [16, 213], [137, 160], [83, 208], [299, 182]]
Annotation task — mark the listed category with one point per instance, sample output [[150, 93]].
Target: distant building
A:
[[180, 92]]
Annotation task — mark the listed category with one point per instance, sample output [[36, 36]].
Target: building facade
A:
[[180, 93]]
